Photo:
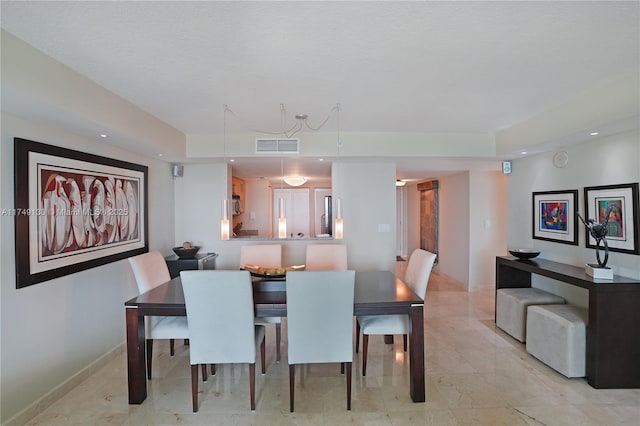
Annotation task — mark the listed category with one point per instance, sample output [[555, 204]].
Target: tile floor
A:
[[476, 375]]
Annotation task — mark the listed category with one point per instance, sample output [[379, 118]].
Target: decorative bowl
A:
[[524, 253], [186, 253]]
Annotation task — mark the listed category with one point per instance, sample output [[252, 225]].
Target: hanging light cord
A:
[[224, 132], [287, 132], [339, 143]]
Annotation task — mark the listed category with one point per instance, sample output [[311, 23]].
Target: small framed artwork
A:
[[554, 216], [74, 211], [617, 206]]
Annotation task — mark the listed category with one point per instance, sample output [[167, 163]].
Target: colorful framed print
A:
[[554, 216], [74, 211], [617, 205]]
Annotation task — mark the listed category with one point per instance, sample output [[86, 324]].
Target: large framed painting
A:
[[617, 206], [555, 215], [75, 211]]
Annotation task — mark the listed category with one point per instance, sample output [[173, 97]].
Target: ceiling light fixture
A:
[[594, 133], [295, 180], [523, 152], [400, 182], [104, 135]]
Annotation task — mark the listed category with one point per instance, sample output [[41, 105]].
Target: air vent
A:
[[277, 146]]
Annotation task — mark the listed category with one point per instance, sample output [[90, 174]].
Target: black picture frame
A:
[[622, 235], [70, 214], [554, 216]]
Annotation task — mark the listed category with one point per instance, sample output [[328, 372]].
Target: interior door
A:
[[296, 210]]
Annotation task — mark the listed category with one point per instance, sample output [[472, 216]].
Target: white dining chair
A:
[[150, 270], [416, 277], [266, 256], [326, 257], [314, 336], [221, 323]]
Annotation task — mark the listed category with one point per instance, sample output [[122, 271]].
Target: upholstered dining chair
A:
[[221, 324], [267, 256], [314, 336], [326, 257], [417, 278], [150, 270]]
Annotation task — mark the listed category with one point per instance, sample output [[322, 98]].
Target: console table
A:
[[613, 332]]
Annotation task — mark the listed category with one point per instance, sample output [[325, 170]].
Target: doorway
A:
[[429, 216]]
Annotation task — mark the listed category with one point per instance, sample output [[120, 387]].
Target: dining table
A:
[[376, 293]]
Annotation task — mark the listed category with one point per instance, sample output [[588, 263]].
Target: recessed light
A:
[[160, 154], [523, 152], [594, 133], [320, 159], [104, 135], [231, 160]]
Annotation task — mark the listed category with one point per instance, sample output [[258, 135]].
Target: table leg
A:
[[416, 354], [136, 370]]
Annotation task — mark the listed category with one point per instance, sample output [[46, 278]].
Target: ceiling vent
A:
[[277, 146]]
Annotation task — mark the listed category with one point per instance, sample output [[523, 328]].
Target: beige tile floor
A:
[[476, 375]]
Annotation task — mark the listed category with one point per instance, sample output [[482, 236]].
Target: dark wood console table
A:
[[613, 332]]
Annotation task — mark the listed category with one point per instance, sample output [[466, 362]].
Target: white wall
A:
[[368, 192], [54, 329], [487, 226], [599, 161], [453, 230]]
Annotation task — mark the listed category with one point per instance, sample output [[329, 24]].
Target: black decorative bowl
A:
[[186, 253], [524, 253]]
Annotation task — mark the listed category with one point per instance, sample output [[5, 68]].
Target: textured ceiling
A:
[[393, 66]]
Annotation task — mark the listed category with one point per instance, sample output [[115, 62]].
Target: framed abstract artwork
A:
[[74, 211], [555, 215], [617, 206]]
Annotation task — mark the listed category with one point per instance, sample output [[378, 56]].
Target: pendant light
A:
[[224, 222], [282, 218], [339, 224]]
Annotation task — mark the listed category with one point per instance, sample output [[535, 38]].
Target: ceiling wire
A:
[[285, 130], [224, 133]]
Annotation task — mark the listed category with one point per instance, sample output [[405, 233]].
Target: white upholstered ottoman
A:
[[511, 308], [557, 336]]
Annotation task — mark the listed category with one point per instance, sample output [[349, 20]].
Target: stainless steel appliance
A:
[[236, 205], [326, 222]]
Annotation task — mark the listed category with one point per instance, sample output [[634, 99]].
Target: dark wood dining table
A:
[[376, 293]]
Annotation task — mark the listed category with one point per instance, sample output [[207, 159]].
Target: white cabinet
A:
[[296, 209]]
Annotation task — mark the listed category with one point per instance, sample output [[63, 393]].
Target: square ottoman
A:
[[557, 336], [511, 308]]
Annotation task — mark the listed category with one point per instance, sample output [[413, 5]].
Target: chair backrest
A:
[[326, 257], [265, 255], [418, 271], [320, 316], [220, 316], [150, 270]]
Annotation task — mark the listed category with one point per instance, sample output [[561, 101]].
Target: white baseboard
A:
[[39, 405]]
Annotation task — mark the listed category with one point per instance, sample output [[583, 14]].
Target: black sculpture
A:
[[599, 232]]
